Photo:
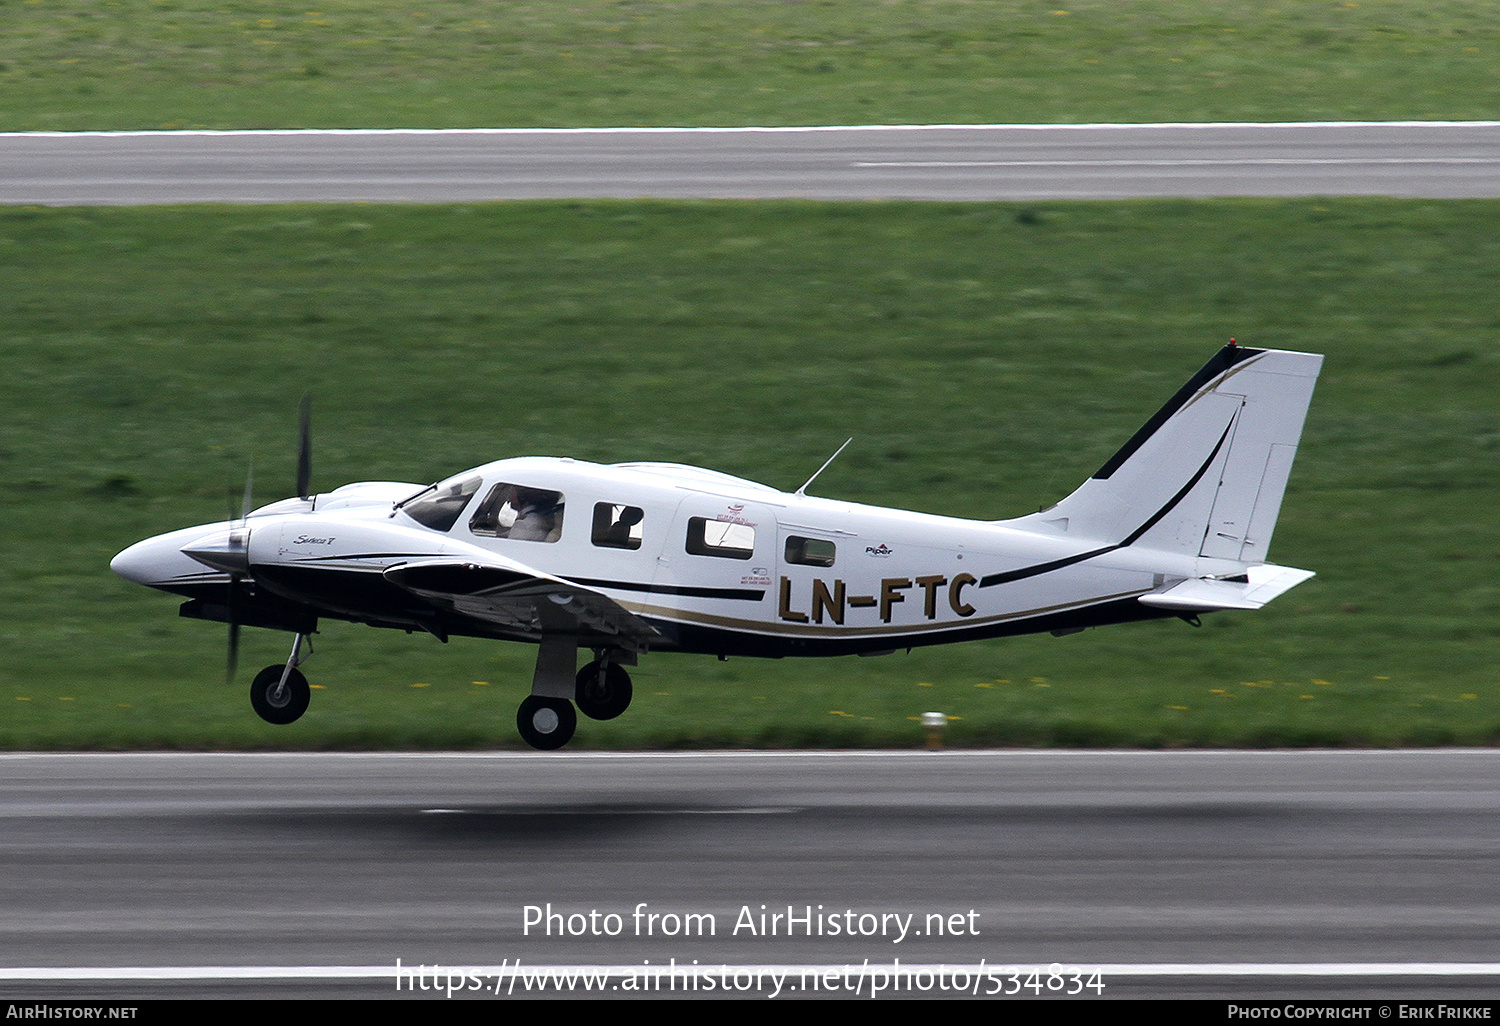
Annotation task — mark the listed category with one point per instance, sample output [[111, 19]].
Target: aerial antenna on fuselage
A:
[[824, 467]]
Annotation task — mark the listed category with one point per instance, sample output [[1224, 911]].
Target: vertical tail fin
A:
[[1206, 474]]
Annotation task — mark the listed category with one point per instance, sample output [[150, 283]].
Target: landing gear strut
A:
[[546, 718], [279, 694]]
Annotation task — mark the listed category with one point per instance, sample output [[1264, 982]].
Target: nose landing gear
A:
[[280, 693]]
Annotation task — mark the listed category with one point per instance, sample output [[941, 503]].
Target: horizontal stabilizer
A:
[[1249, 590]]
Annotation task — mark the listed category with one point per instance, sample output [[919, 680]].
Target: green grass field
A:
[[146, 64], [986, 357]]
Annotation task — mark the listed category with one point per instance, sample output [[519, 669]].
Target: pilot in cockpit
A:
[[538, 516]]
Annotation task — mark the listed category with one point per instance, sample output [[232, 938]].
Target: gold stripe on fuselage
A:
[[834, 631]]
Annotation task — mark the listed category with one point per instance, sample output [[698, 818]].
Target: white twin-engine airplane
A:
[[628, 558]]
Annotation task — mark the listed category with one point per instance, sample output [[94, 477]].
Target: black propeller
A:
[[235, 556], [238, 554], [304, 448]]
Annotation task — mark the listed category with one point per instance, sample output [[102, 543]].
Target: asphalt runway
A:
[[152, 868], [1440, 160]]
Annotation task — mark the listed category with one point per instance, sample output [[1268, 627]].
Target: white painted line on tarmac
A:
[[1190, 162], [790, 129]]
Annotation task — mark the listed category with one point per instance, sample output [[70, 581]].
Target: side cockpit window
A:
[[519, 513], [720, 538], [616, 526], [439, 506]]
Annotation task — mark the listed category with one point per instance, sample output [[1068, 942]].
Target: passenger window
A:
[[616, 526], [809, 551], [520, 514], [717, 538]]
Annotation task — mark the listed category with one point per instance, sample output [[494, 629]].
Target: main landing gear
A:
[[280, 693], [546, 723], [602, 689]]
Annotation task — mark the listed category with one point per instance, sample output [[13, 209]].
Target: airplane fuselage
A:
[[780, 574]]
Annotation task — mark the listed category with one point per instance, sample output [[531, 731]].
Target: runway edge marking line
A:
[[734, 129], [839, 753]]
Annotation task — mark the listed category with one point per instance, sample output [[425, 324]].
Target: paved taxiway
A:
[[187, 860], [931, 163]]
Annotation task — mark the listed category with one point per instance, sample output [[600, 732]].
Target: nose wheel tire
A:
[[276, 703], [604, 691], [546, 723]]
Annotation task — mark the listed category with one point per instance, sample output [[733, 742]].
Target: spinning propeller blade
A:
[[239, 542], [248, 502], [304, 448], [232, 554], [234, 641]]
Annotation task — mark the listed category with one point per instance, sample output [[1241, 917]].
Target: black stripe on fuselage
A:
[[1219, 363], [1041, 568], [1007, 576], [367, 555], [746, 594], [1192, 483]]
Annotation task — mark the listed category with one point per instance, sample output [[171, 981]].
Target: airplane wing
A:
[[521, 599]]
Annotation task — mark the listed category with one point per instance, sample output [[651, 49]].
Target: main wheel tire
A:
[[603, 699], [286, 707], [546, 723]]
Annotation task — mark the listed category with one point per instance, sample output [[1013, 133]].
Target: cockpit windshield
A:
[[440, 505]]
